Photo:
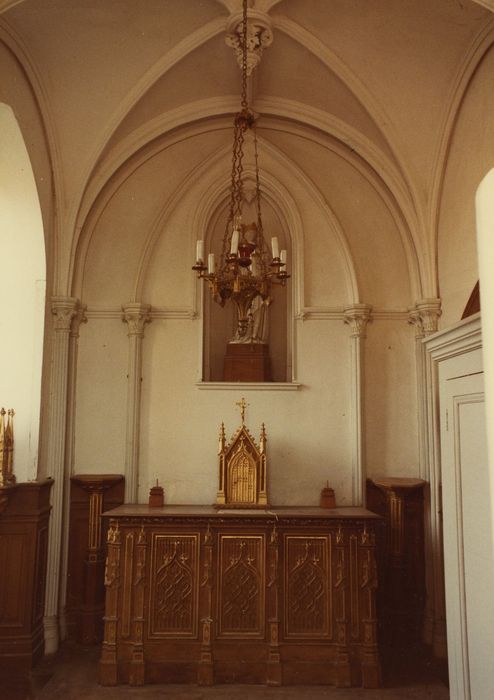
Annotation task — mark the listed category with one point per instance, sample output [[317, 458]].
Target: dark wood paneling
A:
[[401, 560], [90, 494], [23, 549]]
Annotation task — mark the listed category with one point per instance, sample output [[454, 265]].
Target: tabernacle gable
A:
[[242, 468]]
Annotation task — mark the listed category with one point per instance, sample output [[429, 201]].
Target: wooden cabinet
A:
[[401, 561], [24, 514], [90, 494], [197, 594]]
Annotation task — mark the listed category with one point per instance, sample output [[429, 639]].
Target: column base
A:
[[51, 633]]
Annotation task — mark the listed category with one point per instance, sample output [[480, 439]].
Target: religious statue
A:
[[257, 323], [256, 330]]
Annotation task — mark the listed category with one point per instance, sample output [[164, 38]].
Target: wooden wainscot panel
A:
[[307, 587], [173, 608], [90, 494], [240, 603], [25, 509], [401, 559]]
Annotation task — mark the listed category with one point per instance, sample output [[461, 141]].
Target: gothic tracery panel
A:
[[174, 586], [307, 590], [241, 589]]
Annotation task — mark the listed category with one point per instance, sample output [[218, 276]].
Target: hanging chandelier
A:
[[245, 270]]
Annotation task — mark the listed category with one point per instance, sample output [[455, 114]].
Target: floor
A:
[[72, 675]]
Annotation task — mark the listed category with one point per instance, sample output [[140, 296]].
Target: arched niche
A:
[[292, 208], [22, 285], [220, 322]]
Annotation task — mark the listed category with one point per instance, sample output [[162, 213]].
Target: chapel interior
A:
[[371, 160]]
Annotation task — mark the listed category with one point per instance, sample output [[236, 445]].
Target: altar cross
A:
[[242, 404]]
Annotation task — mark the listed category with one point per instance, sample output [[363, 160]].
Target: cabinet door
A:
[[307, 584], [241, 586], [174, 580]]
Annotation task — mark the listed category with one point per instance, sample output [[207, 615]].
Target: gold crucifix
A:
[[242, 404]]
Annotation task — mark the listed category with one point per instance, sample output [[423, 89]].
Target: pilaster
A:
[[424, 317], [64, 309], [136, 315], [79, 317], [357, 316]]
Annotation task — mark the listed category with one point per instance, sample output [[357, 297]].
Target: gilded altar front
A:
[[204, 595]]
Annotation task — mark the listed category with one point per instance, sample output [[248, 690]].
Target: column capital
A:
[[424, 316], [357, 316], [64, 309], [136, 315], [79, 317]]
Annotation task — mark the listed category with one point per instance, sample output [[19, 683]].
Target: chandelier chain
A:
[[258, 183], [244, 103], [245, 272]]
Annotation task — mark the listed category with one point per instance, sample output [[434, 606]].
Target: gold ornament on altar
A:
[[242, 468], [7, 477]]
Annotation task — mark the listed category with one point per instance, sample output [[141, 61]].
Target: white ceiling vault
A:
[[358, 105]]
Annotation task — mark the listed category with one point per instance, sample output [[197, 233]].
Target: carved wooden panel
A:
[[307, 586], [241, 608], [174, 585], [198, 594]]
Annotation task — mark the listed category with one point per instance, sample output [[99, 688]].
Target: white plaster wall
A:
[[308, 430], [470, 158], [390, 399], [135, 215], [366, 222], [485, 237], [22, 290], [145, 241], [101, 397]]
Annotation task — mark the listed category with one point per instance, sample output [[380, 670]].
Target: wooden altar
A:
[[197, 594]]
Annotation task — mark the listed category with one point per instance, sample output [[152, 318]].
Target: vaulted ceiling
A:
[[358, 103]]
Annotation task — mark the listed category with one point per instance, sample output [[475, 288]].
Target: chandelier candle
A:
[[200, 251], [234, 242], [275, 247], [211, 264]]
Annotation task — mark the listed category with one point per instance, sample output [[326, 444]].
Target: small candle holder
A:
[[327, 499], [200, 268], [156, 496]]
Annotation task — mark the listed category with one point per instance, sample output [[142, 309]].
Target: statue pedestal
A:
[[247, 362]]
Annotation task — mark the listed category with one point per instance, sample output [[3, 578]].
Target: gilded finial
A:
[[262, 441], [7, 477], [222, 439], [242, 405]]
